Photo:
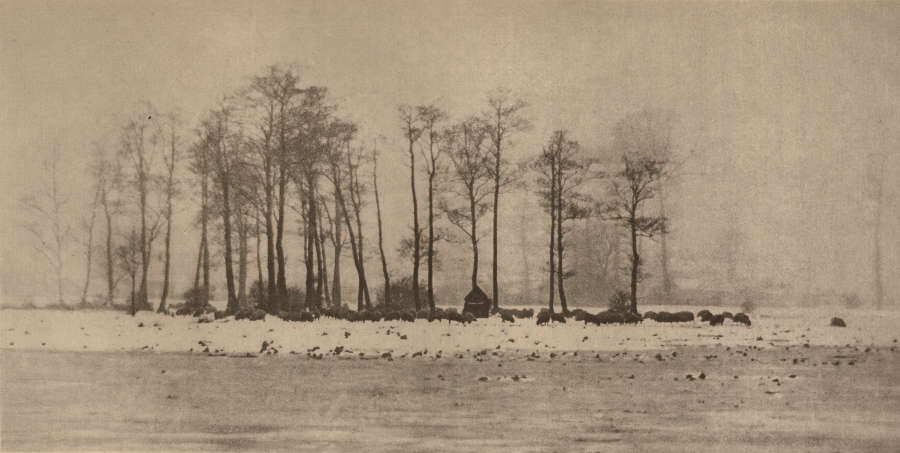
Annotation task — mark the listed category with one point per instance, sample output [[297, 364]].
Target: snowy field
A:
[[117, 331], [790, 382]]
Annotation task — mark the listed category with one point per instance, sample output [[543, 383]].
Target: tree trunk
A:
[[416, 245], [431, 239], [635, 262], [474, 236], [338, 246], [309, 249], [258, 261], [270, 245], [664, 248], [231, 307], [204, 234], [110, 267], [243, 252], [384, 268], [145, 252], [560, 268], [168, 256], [281, 288], [494, 283], [552, 231], [90, 246], [199, 263]]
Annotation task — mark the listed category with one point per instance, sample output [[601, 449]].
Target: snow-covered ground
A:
[[116, 331]]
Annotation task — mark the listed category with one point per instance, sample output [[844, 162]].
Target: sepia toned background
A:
[[784, 114]]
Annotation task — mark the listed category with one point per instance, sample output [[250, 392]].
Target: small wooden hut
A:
[[477, 303]]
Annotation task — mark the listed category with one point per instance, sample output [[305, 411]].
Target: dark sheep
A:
[[558, 317], [717, 320], [507, 317], [742, 318], [467, 318], [526, 313], [838, 322], [727, 315], [704, 315], [578, 314], [543, 317], [608, 317], [683, 316], [664, 316]]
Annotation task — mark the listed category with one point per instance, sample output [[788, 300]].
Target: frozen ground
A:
[[116, 331], [65, 385]]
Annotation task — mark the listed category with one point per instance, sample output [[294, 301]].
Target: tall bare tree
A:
[[224, 143], [466, 145], [171, 134], [502, 120], [412, 131], [46, 213], [384, 267], [429, 117], [88, 224], [138, 148], [635, 181]]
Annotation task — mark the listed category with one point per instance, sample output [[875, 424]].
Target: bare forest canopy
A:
[[741, 151]]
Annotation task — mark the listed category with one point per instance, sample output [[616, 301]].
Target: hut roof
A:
[[477, 296]]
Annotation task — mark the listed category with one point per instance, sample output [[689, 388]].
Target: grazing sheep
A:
[[543, 317], [742, 318], [704, 315], [558, 317], [507, 316], [838, 322], [578, 314], [664, 316], [467, 318], [608, 317], [727, 315], [526, 313], [683, 316], [717, 320]]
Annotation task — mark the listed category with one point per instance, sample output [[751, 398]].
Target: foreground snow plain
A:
[[57, 330]]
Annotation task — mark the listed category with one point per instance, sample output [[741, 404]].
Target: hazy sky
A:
[[791, 97]]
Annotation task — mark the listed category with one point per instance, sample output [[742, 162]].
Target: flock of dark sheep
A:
[[545, 316]]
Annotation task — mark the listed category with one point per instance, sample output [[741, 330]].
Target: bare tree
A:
[[636, 181], [45, 210], [384, 268], [412, 131], [503, 118], [95, 166], [129, 259], [202, 168], [137, 148], [429, 117], [107, 174], [170, 132], [224, 142], [465, 145]]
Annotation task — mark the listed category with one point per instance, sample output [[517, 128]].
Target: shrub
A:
[[402, 295], [620, 301], [195, 302], [650, 315]]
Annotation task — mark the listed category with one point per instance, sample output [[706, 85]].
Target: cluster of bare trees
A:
[[275, 146]]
